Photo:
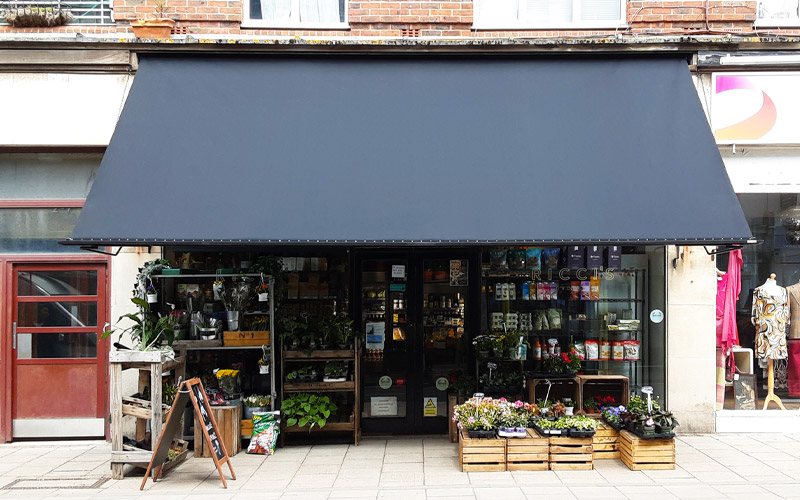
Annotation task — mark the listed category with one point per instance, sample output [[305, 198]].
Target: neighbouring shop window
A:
[[36, 176], [36, 230], [778, 13], [49, 314], [298, 13], [559, 13]]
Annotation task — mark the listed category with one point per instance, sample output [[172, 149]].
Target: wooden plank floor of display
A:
[[605, 443], [529, 453], [480, 455], [646, 454], [568, 453]]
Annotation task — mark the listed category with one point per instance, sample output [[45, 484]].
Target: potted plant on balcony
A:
[[25, 15], [159, 26]]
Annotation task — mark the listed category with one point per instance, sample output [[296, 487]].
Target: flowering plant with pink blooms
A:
[[477, 414]]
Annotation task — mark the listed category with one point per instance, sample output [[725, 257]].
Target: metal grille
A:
[[83, 11]]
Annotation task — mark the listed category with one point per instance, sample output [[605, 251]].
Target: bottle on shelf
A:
[[557, 348], [537, 349]]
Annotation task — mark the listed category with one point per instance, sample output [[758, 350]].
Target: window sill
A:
[[256, 24], [786, 23], [555, 26]]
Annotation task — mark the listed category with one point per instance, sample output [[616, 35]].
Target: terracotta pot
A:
[[152, 28]]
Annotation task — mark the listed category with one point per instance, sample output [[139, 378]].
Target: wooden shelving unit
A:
[[353, 386], [150, 365]]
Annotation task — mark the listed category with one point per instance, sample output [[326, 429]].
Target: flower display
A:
[[562, 363]]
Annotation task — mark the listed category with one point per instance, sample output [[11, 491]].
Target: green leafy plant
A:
[[149, 330], [291, 330], [561, 363], [144, 279], [590, 404], [463, 385], [308, 409]]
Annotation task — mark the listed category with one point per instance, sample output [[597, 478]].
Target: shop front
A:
[[750, 112], [468, 213]]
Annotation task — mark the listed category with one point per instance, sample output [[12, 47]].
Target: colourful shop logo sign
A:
[[753, 126]]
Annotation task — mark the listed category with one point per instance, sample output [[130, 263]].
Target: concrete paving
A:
[[737, 466]]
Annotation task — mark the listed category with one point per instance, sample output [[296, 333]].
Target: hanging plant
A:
[[33, 16]]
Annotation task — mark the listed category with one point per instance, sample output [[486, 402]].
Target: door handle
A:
[[14, 335]]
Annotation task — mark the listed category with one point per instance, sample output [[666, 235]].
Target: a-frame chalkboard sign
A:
[[190, 390]]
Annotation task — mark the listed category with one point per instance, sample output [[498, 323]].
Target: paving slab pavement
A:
[[728, 466]]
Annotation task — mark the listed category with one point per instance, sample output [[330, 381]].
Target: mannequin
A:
[[793, 339], [770, 316]]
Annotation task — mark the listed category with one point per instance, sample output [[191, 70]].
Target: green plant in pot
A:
[[328, 331], [291, 332], [255, 403], [308, 409], [665, 421], [144, 278], [148, 330], [344, 331]]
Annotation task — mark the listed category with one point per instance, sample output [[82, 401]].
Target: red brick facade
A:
[[446, 19]]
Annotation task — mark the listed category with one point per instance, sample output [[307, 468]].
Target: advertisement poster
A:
[[458, 273]]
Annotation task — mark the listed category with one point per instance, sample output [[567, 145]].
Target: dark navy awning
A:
[[411, 150]]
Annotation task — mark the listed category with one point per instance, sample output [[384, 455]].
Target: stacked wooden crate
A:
[[605, 443], [481, 454], [571, 453], [646, 454], [529, 453]]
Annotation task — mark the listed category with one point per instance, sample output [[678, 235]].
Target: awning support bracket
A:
[[97, 249]]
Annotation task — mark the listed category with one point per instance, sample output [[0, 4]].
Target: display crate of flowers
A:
[[479, 448], [648, 421], [564, 365], [573, 426]]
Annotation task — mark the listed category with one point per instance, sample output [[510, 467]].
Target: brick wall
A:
[[448, 19]]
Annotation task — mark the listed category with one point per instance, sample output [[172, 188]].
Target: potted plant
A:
[[590, 405], [159, 26], [308, 409], [344, 331], [33, 16], [263, 366], [612, 416], [290, 335], [665, 421], [335, 371], [569, 406], [561, 363], [479, 416], [144, 281], [148, 329], [483, 345], [255, 403], [236, 298], [151, 294]]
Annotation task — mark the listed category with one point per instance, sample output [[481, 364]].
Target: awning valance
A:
[[411, 150]]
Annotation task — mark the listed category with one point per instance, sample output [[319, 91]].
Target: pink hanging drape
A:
[[728, 289]]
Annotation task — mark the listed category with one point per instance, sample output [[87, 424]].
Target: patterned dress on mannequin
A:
[[770, 314]]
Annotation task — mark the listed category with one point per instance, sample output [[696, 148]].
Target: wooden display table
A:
[[150, 364], [229, 423], [605, 443], [570, 453]]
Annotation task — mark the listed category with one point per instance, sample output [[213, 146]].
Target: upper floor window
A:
[[522, 14], [778, 13], [304, 14], [45, 13]]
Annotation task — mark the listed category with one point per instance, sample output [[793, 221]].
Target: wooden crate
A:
[[249, 338], [568, 453], [646, 454], [529, 453], [605, 443], [229, 420], [481, 454]]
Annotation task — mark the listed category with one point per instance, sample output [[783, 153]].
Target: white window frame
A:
[[776, 22], [102, 14], [247, 22], [478, 24]]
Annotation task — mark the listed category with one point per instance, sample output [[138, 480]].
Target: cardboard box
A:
[[308, 290], [576, 257], [594, 257], [292, 291], [613, 257]]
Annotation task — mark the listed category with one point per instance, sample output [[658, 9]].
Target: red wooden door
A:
[[59, 361]]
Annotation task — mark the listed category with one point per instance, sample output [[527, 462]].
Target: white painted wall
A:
[[691, 334], [60, 109]]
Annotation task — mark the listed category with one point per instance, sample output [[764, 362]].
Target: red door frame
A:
[[7, 357]]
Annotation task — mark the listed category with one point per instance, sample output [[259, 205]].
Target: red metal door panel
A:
[[54, 391]]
